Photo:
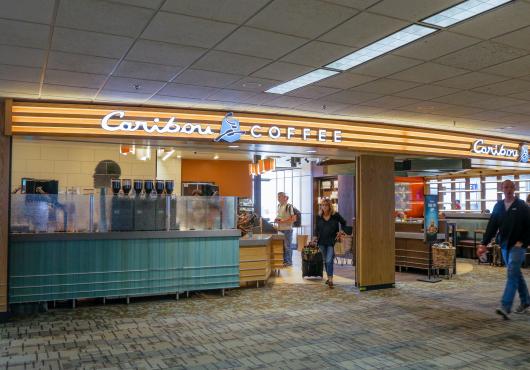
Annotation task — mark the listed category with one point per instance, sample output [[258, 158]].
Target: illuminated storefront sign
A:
[[500, 151], [230, 129]]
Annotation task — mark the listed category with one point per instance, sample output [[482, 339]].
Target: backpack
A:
[[298, 214]]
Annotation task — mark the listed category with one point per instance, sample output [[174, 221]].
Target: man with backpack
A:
[[511, 218], [285, 218]]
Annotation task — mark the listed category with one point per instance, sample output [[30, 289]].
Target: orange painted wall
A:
[[232, 176], [416, 194]]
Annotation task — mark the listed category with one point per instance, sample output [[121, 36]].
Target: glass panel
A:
[[460, 194], [446, 199], [491, 192], [433, 187], [43, 213], [297, 192], [474, 194], [524, 186]]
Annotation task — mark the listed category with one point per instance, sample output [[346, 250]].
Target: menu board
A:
[[431, 217]]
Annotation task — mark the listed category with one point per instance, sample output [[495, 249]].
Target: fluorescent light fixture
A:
[[179, 156], [463, 11], [216, 157], [233, 146], [310, 151], [383, 46], [168, 154], [301, 81]]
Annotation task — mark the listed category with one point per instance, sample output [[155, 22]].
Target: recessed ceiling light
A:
[[463, 11], [179, 156], [383, 46], [251, 84], [301, 81], [310, 151], [216, 157], [233, 146]]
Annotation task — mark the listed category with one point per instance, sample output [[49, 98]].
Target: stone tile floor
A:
[[448, 325]]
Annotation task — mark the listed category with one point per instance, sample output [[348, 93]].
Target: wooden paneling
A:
[[375, 238], [255, 263], [64, 120], [277, 253], [5, 160]]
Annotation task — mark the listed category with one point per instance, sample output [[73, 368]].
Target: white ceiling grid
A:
[[223, 54]]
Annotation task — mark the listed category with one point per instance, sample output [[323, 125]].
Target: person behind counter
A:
[[511, 218], [327, 232], [284, 219]]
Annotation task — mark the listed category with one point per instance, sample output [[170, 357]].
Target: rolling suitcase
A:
[[312, 263]]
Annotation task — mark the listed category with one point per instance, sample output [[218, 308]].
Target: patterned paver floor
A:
[[448, 325]]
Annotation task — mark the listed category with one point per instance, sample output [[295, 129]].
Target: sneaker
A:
[[522, 308], [502, 312]]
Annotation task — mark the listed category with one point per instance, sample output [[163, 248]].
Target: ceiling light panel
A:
[[301, 81], [383, 46], [463, 11]]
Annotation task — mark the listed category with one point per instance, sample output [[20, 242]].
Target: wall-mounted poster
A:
[[431, 217]]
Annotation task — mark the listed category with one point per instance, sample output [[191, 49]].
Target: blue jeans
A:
[[514, 259], [287, 251], [327, 255]]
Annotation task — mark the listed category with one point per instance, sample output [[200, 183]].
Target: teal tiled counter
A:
[[72, 266]]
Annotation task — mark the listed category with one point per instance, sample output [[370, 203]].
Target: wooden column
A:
[[5, 166], [375, 223]]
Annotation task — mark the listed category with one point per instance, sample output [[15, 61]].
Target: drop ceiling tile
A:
[[80, 63], [172, 101], [386, 65], [481, 55], [304, 18], [385, 86], [428, 72], [322, 107], [359, 111], [506, 87], [151, 4], [206, 78], [516, 119], [23, 57], [471, 80], [521, 109], [497, 22], [524, 95], [488, 115], [187, 91], [432, 107], [345, 80], [121, 96], [233, 11], [184, 30], [259, 43], [357, 4], [478, 100], [427, 92], [19, 87], [90, 43], [39, 11], [254, 84], [67, 92], [282, 71], [15, 95], [517, 39], [66, 78], [220, 61], [16, 73], [390, 102], [363, 29], [133, 85], [313, 92], [24, 34], [227, 95], [317, 54], [514, 68], [148, 71], [412, 10], [436, 45], [259, 99], [101, 16], [164, 53], [286, 102], [351, 97]]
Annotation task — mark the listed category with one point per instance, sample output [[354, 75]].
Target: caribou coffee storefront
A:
[[90, 218]]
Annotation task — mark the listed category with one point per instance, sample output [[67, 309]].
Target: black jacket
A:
[[326, 231], [513, 224]]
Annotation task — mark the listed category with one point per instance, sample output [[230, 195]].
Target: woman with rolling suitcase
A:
[[328, 230]]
